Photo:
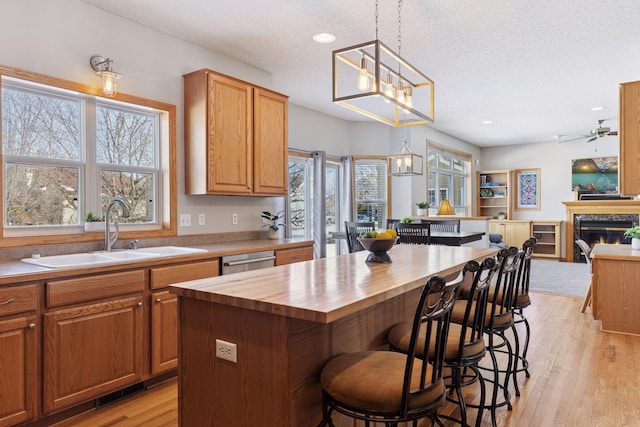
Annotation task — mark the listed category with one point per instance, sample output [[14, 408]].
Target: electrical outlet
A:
[[185, 220], [201, 219], [234, 219], [227, 351]]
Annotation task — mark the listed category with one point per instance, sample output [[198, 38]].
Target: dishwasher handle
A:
[[248, 261]]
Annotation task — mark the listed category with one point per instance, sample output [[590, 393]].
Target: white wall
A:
[[57, 38], [554, 161]]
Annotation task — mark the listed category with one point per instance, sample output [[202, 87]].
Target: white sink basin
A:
[[107, 258]]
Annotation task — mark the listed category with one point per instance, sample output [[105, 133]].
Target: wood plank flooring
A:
[[580, 376]]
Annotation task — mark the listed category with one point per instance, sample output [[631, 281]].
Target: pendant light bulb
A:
[[408, 99], [400, 96], [388, 87], [363, 75]]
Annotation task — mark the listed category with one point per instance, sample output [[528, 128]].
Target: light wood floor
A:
[[579, 377]]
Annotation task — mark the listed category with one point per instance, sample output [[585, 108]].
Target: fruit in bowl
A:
[[378, 245]]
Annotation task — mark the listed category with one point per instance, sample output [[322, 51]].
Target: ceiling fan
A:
[[596, 133]]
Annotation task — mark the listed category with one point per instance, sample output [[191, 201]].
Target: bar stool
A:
[[465, 345], [520, 302], [390, 387]]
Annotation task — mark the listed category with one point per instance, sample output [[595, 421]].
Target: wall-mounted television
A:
[[597, 175]]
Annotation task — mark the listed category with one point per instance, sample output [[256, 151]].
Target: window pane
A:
[[458, 191], [125, 137], [431, 160], [40, 125], [40, 195], [444, 187], [371, 191], [431, 194], [458, 165], [135, 189], [298, 190]]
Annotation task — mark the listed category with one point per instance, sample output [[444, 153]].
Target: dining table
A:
[[446, 238]]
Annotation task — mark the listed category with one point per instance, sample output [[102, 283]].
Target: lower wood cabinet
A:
[[164, 332], [289, 256], [91, 350], [18, 370], [514, 232]]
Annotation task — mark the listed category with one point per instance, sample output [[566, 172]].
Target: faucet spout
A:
[[110, 240]]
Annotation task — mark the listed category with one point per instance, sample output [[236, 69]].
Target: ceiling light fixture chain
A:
[[376, 19]]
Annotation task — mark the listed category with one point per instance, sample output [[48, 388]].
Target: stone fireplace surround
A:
[[583, 210]]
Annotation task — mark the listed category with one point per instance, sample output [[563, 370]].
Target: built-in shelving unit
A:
[[548, 235], [494, 193]]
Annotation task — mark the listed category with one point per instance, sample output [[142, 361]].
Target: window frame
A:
[[383, 159], [434, 196], [167, 184]]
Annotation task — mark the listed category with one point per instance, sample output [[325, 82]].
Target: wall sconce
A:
[[446, 208], [102, 66]]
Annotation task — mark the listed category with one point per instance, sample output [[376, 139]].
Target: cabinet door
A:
[[164, 332], [91, 350], [270, 173], [630, 139], [518, 232], [18, 370], [290, 256], [229, 123]]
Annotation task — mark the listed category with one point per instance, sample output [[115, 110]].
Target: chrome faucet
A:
[[109, 240]]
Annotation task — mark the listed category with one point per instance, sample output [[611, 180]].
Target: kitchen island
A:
[[616, 275], [287, 322]]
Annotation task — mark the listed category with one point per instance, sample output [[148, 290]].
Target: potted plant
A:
[[93, 222], [633, 233], [274, 223], [406, 220], [502, 215], [422, 208]]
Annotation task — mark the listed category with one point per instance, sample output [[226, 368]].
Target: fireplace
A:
[[595, 210], [608, 228]]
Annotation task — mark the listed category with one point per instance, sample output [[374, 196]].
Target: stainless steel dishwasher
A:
[[245, 262]]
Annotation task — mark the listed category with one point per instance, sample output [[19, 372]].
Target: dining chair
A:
[[586, 251], [388, 387], [452, 225], [412, 233], [353, 231]]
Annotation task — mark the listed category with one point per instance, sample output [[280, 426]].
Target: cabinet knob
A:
[[139, 304], [32, 325], [158, 300]]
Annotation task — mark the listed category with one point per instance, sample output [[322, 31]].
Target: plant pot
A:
[[635, 244], [94, 226], [274, 234], [420, 212]]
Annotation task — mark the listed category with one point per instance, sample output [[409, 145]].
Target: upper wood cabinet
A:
[[629, 137], [235, 137]]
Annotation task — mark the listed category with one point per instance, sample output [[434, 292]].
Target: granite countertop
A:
[[15, 271]]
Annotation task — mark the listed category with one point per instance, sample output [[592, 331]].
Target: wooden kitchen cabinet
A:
[[164, 332], [514, 232], [289, 256], [18, 355], [164, 310], [235, 137], [547, 234], [95, 347], [629, 139]]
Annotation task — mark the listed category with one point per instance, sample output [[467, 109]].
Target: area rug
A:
[[563, 278]]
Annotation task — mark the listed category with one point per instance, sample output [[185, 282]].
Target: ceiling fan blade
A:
[[573, 139], [613, 133], [593, 139]]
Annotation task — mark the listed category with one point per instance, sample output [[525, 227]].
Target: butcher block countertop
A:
[[328, 289]]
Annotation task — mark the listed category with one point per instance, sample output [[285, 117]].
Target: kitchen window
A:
[[371, 191], [66, 153], [447, 178]]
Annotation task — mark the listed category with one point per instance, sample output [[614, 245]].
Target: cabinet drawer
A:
[[16, 299], [161, 277], [62, 292], [289, 256]]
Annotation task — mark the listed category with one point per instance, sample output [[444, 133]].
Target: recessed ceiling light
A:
[[487, 122], [597, 108], [324, 37]]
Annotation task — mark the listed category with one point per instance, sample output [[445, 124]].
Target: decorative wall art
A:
[[528, 189], [595, 175]]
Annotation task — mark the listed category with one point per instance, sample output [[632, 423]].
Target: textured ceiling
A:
[[534, 68]]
